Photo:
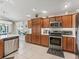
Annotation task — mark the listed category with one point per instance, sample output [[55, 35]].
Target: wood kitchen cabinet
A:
[[28, 38], [45, 23], [36, 30], [51, 19], [59, 18], [67, 21], [69, 44], [36, 35], [1, 48], [29, 23], [44, 40]]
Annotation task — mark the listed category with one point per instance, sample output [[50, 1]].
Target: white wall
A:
[[9, 23]]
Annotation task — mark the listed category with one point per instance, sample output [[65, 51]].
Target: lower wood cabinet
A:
[[36, 39], [28, 38], [44, 40], [69, 44], [1, 48]]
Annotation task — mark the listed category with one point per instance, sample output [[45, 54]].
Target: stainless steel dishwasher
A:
[[10, 46]]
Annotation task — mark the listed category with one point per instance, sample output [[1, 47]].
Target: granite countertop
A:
[[8, 36]]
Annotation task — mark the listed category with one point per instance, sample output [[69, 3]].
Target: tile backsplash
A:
[[45, 31], [29, 31]]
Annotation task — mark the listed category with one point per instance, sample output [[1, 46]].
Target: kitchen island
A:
[[8, 44]]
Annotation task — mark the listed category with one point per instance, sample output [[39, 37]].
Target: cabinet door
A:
[[34, 39], [28, 38], [36, 22], [38, 39], [1, 49], [45, 23], [59, 18], [36, 31], [52, 19], [69, 44], [37, 35], [29, 23], [44, 40], [67, 21]]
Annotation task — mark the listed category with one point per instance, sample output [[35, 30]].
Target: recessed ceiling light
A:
[[66, 6], [44, 12], [7, 0], [34, 9], [28, 15]]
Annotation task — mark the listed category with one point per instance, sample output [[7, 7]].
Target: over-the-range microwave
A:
[[56, 24]]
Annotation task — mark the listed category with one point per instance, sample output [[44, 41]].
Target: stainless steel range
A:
[[55, 39], [55, 43]]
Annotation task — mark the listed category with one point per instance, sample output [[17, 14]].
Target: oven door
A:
[[55, 41]]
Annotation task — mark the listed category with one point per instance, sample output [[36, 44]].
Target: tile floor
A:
[[31, 51]]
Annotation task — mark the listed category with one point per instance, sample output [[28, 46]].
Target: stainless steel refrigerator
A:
[[77, 35]]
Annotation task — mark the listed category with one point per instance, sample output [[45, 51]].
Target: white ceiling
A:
[[18, 9]]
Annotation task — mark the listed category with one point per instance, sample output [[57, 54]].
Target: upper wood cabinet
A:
[[75, 20], [67, 21], [51, 19], [45, 23], [69, 44], [1, 48], [29, 23], [44, 40], [37, 22], [59, 18]]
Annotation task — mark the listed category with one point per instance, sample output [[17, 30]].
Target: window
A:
[[3, 29]]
